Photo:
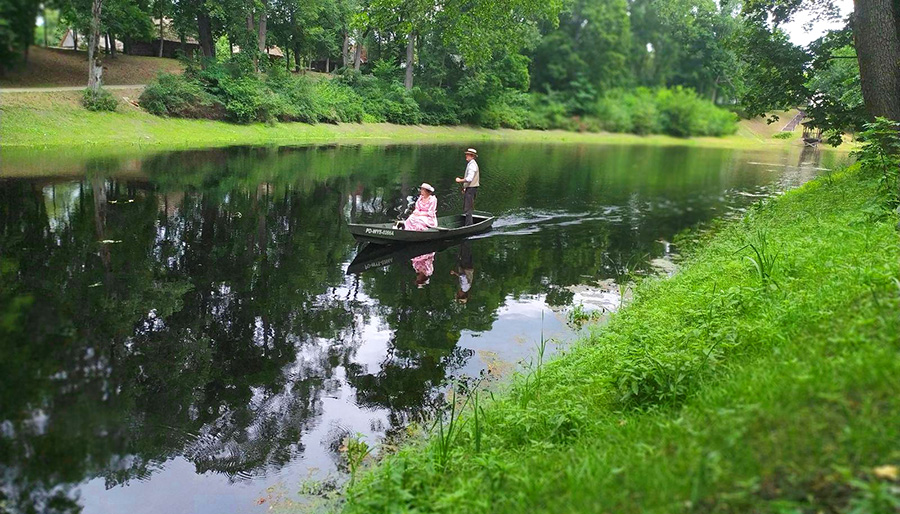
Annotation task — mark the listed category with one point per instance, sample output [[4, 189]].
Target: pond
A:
[[179, 332]]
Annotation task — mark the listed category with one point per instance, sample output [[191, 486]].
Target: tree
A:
[[875, 31], [874, 26], [680, 42], [593, 41], [95, 66], [161, 9], [16, 30]]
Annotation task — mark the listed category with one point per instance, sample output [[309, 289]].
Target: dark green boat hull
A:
[[378, 256], [449, 227]]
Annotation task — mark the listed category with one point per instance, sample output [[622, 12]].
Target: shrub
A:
[[338, 102], [178, 95], [243, 98], [676, 110], [684, 114], [299, 96], [548, 112], [783, 135], [437, 107], [644, 112], [99, 100], [508, 111], [614, 115], [391, 102]]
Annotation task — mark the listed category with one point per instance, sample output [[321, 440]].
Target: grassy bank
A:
[[735, 386], [56, 119]]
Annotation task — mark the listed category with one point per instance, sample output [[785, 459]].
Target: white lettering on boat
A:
[[379, 231]]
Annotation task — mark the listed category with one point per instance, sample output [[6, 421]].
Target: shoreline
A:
[[50, 120]]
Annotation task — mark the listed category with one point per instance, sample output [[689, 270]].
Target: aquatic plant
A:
[[579, 316], [355, 450]]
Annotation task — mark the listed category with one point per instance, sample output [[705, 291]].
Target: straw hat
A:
[[472, 151], [426, 185]]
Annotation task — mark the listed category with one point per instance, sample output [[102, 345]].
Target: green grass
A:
[[50, 120], [734, 386]]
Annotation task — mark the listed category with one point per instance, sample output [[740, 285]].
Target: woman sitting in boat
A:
[[425, 214]]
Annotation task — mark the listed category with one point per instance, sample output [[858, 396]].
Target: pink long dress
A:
[[424, 216], [424, 264]]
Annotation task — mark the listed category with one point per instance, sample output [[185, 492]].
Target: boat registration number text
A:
[[379, 231]]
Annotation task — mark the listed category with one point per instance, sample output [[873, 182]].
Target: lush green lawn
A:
[[727, 388], [37, 120]]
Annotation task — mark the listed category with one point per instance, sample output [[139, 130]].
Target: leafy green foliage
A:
[[176, 95], [678, 112], [355, 450], [220, 91], [16, 30], [683, 114], [99, 100], [590, 49], [879, 154]]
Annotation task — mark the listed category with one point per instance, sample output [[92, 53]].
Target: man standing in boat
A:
[[470, 184]]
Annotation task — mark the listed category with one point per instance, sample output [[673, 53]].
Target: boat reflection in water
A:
[[373, 256]]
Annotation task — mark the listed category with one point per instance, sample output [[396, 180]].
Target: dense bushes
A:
[[677, 112], [174, 95], [223, 91]]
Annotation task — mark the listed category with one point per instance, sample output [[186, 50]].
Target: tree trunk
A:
[[160, 35], [287, 59], [357, 54], [45, 26], [328, 65], [261, 37], [204, 34], [112, 44], [251, 29], [410, 55], [95, 63], [297, 56], [345, 49], [878, 51], [74, 39]]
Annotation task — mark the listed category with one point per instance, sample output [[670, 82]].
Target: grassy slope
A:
[[796, 404], [37, 120], [48, 67]]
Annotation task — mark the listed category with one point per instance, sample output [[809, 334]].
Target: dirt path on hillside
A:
[[62, 88]]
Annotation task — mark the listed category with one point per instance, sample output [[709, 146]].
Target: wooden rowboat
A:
[[449, 227]]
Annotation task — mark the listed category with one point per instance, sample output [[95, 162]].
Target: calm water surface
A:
[[178, 331]]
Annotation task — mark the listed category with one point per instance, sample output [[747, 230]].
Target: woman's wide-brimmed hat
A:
[[472, 151], [426, 185]]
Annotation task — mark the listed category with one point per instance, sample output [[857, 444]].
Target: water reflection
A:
[[464, 271], [186, 318]]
